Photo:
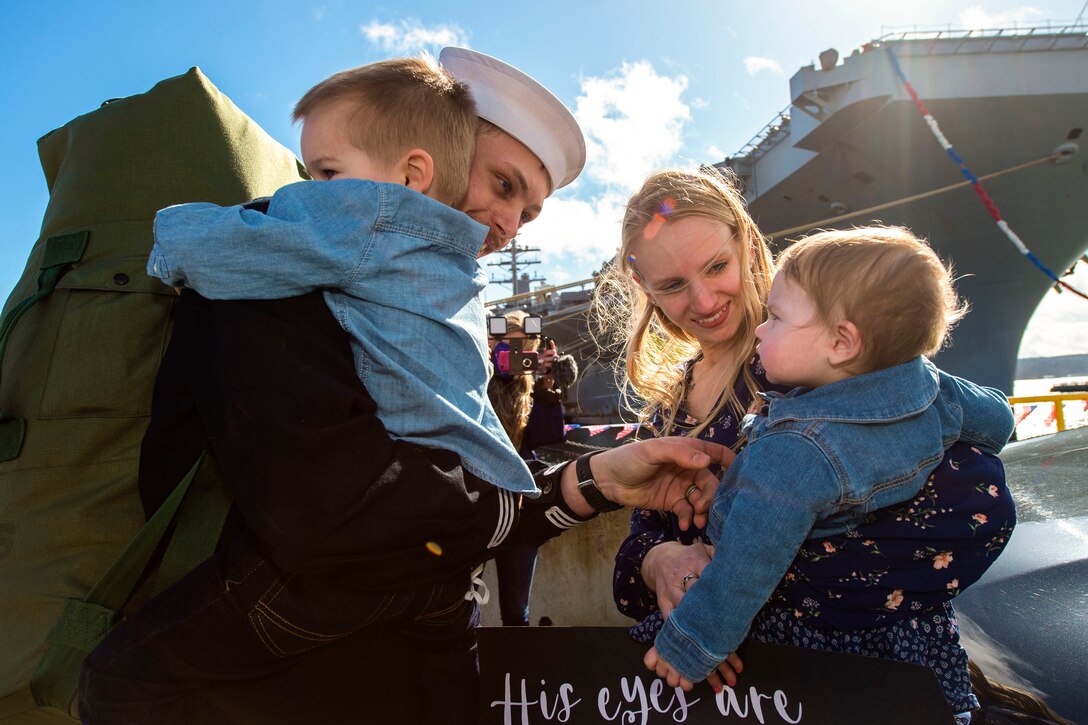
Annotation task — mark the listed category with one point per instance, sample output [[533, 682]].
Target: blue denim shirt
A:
[[815, 464], [400, 274]]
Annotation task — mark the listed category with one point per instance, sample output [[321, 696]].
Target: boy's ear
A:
[[418, 169], [845, 344]]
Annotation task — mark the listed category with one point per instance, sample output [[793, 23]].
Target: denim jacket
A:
[[815, 464], [400, 275]]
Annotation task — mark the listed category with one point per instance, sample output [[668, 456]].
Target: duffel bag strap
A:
[[61, 252], [84, 622], [200, 522]]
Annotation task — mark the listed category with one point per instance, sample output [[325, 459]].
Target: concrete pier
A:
[[573, 584]]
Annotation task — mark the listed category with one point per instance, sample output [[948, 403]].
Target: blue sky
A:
[[653, 84]]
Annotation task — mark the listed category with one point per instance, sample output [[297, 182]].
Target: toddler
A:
[[851, 316]]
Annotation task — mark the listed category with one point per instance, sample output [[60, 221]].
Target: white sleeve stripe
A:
[[505, 518], [560, 519]]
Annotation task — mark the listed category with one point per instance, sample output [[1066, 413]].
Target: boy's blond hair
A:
[[886, 281], [626, 320], [402, 104]]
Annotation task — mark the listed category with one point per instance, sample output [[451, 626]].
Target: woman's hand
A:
[[545, 384], [664, 474], [670, 568], [547, 357]]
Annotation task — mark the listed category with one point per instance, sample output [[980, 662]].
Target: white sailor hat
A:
[[523, 108]]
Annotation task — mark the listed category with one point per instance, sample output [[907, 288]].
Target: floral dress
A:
[[881, 589]]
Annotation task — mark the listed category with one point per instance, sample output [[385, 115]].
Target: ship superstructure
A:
[[852, 149]]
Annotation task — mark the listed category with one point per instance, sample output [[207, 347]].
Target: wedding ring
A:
[[686, 580], [691, 489]]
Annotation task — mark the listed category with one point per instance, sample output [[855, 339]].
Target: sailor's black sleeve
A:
[[546, 516]]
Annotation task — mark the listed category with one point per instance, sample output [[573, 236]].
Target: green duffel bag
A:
[[81, 339]]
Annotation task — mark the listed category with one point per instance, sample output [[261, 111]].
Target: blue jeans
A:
[[237, 617], [514, 570]]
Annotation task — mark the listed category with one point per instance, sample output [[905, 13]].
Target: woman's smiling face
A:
[[690, 268]]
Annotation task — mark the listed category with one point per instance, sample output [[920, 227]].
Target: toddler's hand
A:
[[726, 673], [653, 662]]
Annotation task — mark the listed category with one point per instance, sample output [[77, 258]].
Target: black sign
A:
[[595, 675]]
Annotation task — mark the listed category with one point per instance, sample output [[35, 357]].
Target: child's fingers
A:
[[650, 659], [665, 671], [728, 670], [672, 677], [726, 673]]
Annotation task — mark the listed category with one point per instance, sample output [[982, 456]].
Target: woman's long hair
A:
[[1001, 704], [626, 321]]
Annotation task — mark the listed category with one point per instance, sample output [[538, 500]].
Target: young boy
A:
[[397, 262], [850, 317]]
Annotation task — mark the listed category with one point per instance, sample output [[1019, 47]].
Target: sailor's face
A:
[[507, 185]]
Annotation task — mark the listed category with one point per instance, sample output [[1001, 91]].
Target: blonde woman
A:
[[684, 296], [681, 304]]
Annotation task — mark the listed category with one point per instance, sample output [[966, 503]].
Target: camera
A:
[[511, 361], [509, 356]]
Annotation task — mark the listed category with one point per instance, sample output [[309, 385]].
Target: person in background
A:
[[530, 408]]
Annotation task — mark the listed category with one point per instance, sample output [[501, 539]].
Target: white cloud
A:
[[634, 122], [410, 35], [715, 153], [976, 17], [576, 236], [755, 64]]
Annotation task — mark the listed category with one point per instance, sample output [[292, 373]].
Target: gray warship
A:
[[853, 148]]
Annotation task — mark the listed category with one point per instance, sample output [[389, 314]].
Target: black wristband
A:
[[588, 487]]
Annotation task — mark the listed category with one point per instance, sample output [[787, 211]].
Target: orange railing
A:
[[1058, 400]]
